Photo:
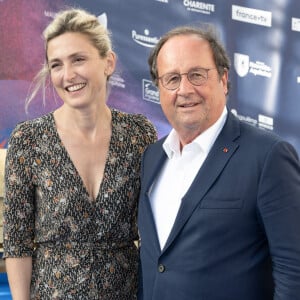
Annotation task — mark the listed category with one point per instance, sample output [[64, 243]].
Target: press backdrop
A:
[[262, 38]]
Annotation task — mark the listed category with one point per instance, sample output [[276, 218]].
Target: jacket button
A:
[[161, 268]]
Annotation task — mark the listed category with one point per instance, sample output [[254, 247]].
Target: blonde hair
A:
[[70, 20]]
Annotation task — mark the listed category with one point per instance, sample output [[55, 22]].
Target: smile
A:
[[188, 105], [75, 87]]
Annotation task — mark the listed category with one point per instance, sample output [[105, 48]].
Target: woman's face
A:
[[78, 73]]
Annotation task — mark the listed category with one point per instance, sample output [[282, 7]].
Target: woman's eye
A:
[[53, 66], [79, 59]]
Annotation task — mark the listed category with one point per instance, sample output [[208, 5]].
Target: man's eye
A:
[[172, 78], [196, 75]]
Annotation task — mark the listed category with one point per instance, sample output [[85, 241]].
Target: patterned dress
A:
[[81, 248]]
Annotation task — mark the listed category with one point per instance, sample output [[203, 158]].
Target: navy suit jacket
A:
[[237, 232]]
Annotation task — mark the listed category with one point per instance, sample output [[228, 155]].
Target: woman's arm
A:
[[19, 277], [19, 213]]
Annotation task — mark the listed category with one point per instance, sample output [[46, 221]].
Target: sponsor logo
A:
[[263, 121], [295, 24], [49, 14], [200, 7], [144, 39], [243, 66], [259, 68], [251, 15], [150, 92], [244, 118], [103, 19], [117, 80]]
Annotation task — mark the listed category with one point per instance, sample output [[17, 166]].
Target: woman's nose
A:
[[69, 73]]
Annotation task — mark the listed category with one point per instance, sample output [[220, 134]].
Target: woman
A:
[[72, 177]]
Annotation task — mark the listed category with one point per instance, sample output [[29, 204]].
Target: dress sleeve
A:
[[18, 217], [279, 207], [147, 129]]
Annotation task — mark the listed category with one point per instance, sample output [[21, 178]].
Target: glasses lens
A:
[[198, 76], [171, 81]]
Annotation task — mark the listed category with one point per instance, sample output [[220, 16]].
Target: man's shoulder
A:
[[253, 133]]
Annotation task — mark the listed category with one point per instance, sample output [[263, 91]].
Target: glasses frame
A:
[[187, 75]]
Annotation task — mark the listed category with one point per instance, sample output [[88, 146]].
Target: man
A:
[[219, 211]]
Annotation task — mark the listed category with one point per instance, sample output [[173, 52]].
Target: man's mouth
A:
[[188, 105]]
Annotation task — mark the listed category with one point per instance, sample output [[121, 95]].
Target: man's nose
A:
[[185, 85]]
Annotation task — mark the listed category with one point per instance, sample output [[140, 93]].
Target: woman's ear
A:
[[111, 63]]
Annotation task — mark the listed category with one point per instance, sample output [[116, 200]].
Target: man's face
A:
[[191, 109]]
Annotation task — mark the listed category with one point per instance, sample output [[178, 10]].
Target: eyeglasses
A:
[[171, 81]]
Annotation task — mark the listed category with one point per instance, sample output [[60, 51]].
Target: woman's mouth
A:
[[75, 87]]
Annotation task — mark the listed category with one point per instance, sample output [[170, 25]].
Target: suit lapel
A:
[[218, 157], [152, 168]]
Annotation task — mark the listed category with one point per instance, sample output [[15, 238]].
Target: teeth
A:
[[75, 87]]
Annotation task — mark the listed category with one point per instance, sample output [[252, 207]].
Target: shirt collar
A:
[[204, 141]]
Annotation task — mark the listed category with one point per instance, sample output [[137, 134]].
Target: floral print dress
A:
[[81, 248]]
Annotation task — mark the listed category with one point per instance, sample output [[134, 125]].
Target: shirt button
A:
[[161, 268]]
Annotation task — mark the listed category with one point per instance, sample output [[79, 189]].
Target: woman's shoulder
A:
[[32, 128], [36, 122], [135, 123]]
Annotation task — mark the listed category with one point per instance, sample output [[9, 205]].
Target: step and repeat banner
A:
[[262, 39]]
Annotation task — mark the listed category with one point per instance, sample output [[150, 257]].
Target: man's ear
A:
[[224, 80]]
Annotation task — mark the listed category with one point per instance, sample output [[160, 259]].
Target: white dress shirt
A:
[[177, 175]]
